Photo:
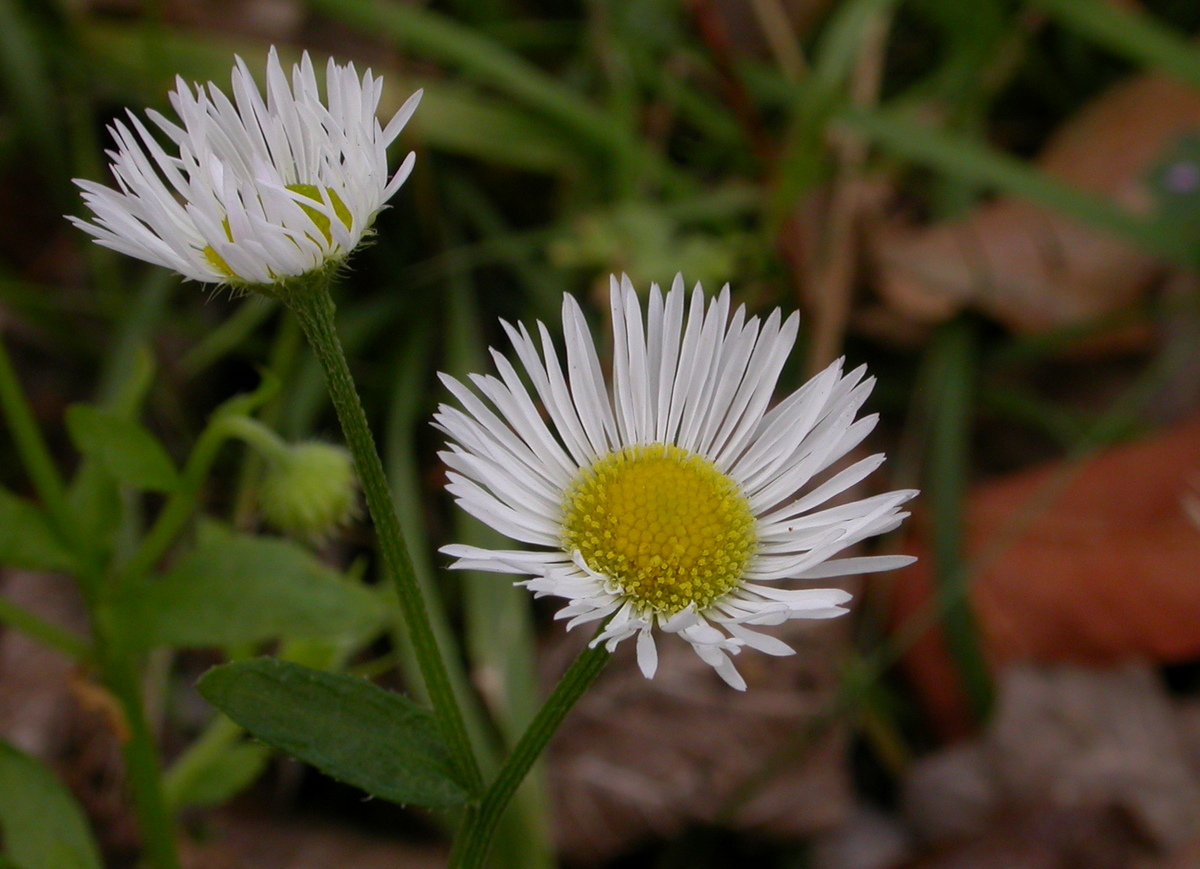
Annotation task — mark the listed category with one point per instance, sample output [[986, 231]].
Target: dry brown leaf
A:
[[1082, 767], [1029, 267], [870, 839], [952, 795], [639, 758], [1106, 569], [249, 840]]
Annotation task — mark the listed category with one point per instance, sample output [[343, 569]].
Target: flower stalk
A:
[[479, 822], [309, 299], [142, 770]]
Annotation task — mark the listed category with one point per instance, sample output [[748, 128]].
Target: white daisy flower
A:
[[263, 189], [679, 501]]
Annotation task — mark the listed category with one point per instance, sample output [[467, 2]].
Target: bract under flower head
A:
[[262, 190], [679, 500]]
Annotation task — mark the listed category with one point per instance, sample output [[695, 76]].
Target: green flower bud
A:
[[310, 490]]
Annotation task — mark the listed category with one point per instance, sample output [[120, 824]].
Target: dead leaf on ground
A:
[[1031, 268], [869, 839], [1081, 767], [242, 840], [1106, 569], [640, 758]]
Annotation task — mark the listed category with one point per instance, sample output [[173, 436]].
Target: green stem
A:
[[34, 626], [314, 309], [141, 761], [479, 823], [259, 436], [179, 507], [30, 444]]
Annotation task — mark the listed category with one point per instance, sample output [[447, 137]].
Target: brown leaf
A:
[[1084, 767], [1105, 568], [639, 758], [254, 840], [1032, 268], [869, 839]]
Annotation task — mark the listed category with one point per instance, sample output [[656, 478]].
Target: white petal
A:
[[700, 379], [228, 187], [647, 653]]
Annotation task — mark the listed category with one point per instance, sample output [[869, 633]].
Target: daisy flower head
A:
[[263, 188], [673, 498]]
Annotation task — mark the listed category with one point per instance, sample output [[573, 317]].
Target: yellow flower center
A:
[[662, 524], [322, 223]]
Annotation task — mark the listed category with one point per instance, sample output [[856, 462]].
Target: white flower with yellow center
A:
[[262, 190], [679, 501]]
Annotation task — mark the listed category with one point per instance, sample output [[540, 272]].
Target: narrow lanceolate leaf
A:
[[346, 727], [237, 588], [26, 539], [128, 452], [41, 826]]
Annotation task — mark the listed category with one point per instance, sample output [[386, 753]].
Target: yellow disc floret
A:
[[662, 524], [319, 220]]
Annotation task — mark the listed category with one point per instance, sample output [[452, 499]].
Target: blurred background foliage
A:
[[995, 204]]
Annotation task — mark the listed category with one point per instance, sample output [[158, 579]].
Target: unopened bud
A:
[[310, 490]]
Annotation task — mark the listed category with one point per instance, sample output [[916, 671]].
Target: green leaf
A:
[[40, 824], [460, 120], [231, 773], [348, 728], [237, 588], [95, 502], [26, 539], [122, 447]]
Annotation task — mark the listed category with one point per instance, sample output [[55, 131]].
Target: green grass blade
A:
[[405, 414], [949, 378], [1130, 32], [988, 167], [24, 71], [802, 158], [488, 62], [499, 623]]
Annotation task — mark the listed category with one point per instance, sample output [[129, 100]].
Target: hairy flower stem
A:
[[479, 822], [313, 307]]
